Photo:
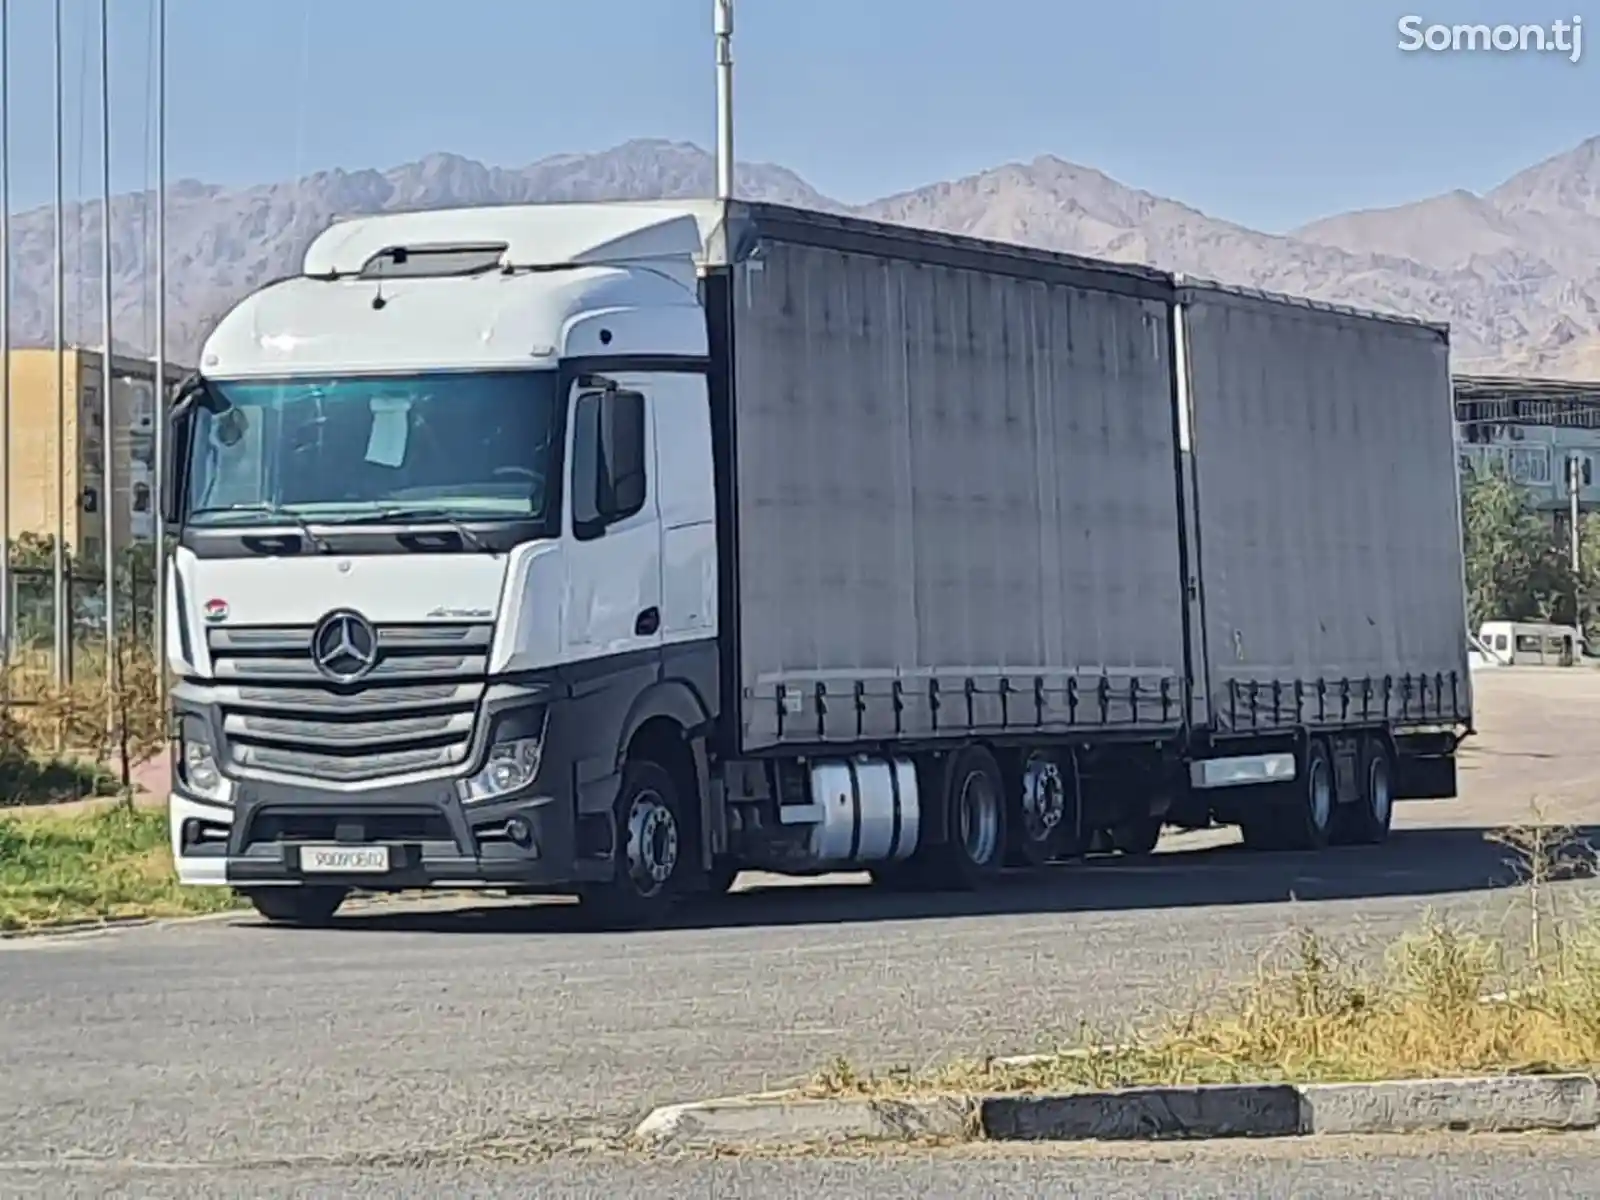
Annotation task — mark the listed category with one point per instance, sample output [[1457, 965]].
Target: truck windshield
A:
[[456, 445]]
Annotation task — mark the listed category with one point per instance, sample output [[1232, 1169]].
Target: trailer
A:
[[617, 548], [1318, 463]]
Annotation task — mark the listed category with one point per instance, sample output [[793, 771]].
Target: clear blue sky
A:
[[1270, 112]]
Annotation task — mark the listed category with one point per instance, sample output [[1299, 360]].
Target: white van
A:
[[1531, 644]]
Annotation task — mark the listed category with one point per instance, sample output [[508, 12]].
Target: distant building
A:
[[1530, 428], [132, 491]]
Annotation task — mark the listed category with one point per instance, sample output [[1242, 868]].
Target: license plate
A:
[[344, 860]]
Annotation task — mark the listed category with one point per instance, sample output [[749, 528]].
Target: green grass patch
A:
[[97, 866]]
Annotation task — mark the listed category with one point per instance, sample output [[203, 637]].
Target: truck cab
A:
[[457, 467]]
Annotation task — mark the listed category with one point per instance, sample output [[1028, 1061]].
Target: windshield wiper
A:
[[433, 515], [271, 511]]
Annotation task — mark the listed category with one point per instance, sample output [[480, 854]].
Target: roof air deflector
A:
[[435, 260]]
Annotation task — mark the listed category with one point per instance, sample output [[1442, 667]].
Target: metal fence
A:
[[33, 609]]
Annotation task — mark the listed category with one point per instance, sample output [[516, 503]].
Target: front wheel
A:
[[648, 848], [304, 906]]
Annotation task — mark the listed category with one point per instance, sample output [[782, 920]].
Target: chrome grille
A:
[[413, 712]]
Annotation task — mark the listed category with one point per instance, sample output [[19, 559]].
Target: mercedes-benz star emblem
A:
[[344, 645]]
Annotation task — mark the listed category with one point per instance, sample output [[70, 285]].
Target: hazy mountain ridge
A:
[[1516, 271]]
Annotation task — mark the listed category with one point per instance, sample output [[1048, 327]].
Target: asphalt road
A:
[[1480, 1167], [425, 1037]]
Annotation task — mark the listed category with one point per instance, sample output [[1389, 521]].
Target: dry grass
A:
[[99, 866], [1443, 1001]]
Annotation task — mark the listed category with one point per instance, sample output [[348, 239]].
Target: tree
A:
[[1516, 570]]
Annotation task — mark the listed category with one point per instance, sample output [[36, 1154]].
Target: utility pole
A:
[[108, 409], [724, 30], [1574, 482], [62, 586], [159, 466], [7, 617]]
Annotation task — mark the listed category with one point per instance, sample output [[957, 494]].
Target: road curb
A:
[[741, 1121], [1498, 1104]]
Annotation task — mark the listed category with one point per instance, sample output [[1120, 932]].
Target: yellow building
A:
[[36, 462]]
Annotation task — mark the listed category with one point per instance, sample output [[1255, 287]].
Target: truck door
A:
[[613, 556]]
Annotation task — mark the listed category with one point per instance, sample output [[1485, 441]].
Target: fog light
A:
[[519, 831]]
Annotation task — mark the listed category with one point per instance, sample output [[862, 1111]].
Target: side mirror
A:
[[178, 416], [177, 457]]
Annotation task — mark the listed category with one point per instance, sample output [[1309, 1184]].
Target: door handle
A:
[[647, 622]]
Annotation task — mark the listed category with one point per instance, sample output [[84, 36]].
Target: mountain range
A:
[[1515, 271]]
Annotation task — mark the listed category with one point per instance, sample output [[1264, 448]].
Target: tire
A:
[[974, 849], [1305, 822], [1043, 813], [720, 879], [1262, 830], [1137, 838], [301, 906], [649, 843], [1367, 821]]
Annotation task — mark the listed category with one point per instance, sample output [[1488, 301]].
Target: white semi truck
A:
[[612, 549]]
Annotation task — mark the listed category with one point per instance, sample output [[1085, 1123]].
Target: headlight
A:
[[512, 766], [197, 767]]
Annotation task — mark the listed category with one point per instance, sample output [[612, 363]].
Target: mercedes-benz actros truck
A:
[[612, 549]]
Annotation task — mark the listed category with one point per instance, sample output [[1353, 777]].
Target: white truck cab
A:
[[459, 452]]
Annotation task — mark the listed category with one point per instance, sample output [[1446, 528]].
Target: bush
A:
[[84, 739]]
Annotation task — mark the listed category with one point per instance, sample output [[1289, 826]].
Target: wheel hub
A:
[[1043, 798], [652, 843]]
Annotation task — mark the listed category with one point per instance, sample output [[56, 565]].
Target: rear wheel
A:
[[306, 906], [648, 850], [1137, 837], [1043, 820], [1298, 815], [721, 878], [975, 811], [1366, 822]]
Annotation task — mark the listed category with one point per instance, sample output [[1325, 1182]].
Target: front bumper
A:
[[433, 840], [254, 834]]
